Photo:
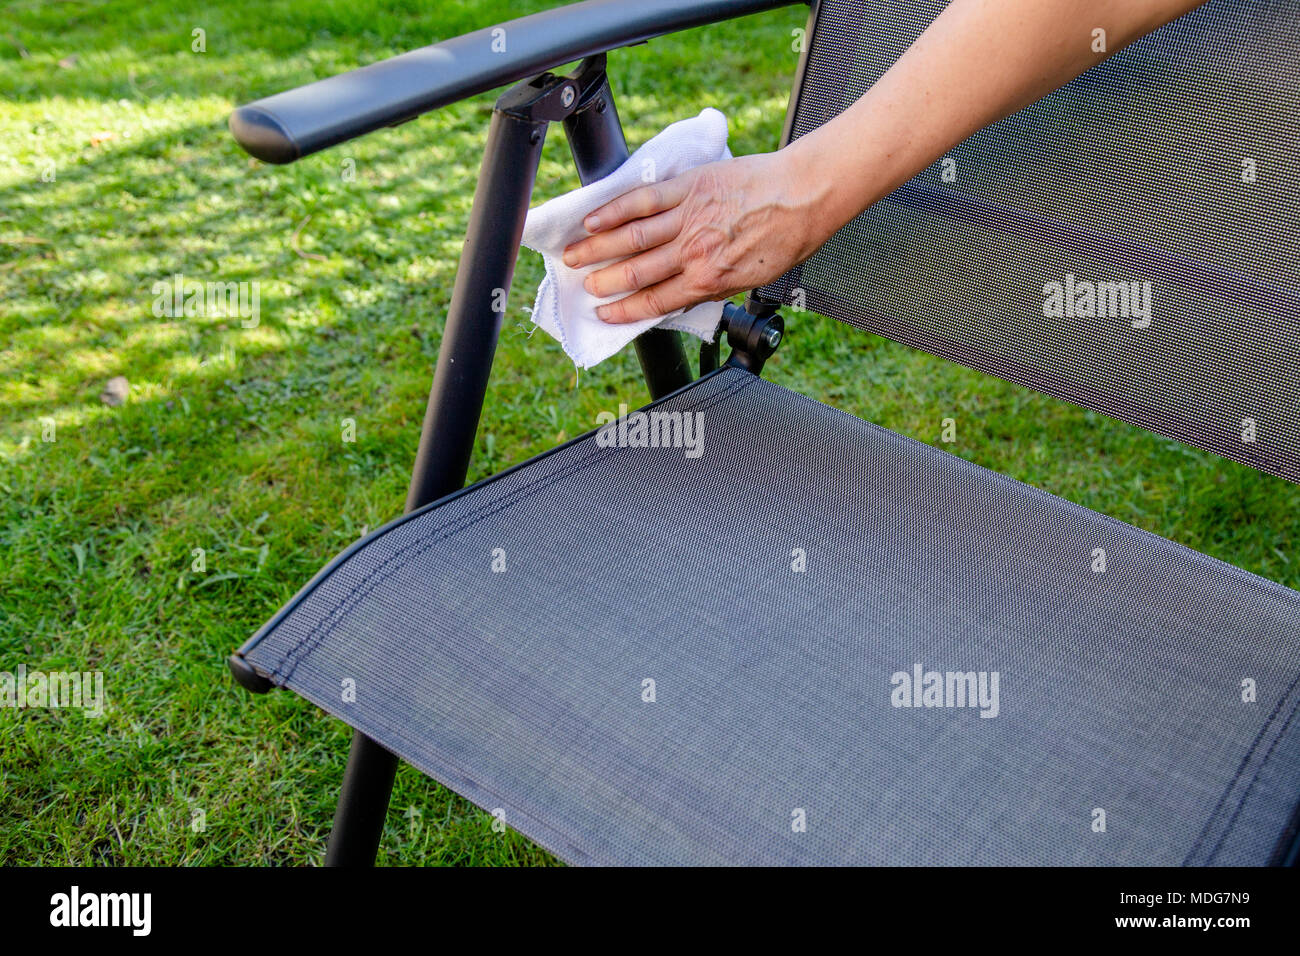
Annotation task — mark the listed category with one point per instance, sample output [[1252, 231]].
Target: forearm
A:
[[979, 61], [732, 226]]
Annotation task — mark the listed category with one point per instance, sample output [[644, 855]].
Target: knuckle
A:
[[630, 274], [637, 235], [654, 303], [700, 246], [706, 183], [714, 281], [709, 278]]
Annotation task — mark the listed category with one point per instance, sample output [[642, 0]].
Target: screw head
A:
[[567, 96], [771, 336]]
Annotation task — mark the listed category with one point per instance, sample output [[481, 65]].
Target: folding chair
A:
[[785, 650]]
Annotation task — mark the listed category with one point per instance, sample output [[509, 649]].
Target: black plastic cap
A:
[[246, 677], [263, 136]]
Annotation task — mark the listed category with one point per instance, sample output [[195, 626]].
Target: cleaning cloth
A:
[[566, 310]]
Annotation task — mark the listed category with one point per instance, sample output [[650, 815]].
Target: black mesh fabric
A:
[[1170, 164], [772, 588]]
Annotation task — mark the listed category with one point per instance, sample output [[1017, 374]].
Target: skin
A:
[[728, 227]]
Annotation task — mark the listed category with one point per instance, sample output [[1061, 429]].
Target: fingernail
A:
[[586, 284], [570, 259], [602, 313], [591, 223]]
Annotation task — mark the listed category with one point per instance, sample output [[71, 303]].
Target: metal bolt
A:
[[566, 97], [771, 336]]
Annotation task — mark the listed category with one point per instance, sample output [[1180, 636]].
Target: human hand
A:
[[710, 233]]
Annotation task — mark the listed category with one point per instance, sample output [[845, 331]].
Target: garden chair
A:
[[761, 655]]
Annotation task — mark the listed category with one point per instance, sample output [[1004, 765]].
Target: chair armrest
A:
[[296, 123]]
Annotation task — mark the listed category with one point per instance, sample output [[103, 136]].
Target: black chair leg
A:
[[514, 147], [363, 804]]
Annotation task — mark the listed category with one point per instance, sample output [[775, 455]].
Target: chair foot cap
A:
[[246, 676]]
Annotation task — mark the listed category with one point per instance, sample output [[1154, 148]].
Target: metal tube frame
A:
[[287, 126], [514, 148], [598, 147]]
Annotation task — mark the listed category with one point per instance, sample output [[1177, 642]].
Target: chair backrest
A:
[[1130, 243]]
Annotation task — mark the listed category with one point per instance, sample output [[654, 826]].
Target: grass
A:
[[230, 439]]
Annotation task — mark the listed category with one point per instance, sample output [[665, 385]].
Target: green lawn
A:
[[230, 438]]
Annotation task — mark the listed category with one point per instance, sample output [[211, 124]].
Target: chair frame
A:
[[287, 126]]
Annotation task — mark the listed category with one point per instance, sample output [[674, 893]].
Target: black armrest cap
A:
[[263, 136]]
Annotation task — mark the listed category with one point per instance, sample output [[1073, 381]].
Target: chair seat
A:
[[788, 592]]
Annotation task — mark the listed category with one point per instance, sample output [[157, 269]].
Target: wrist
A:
[[828, 179], [856, 159], [814, 185]]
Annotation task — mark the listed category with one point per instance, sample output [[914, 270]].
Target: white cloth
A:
[[568, 311]]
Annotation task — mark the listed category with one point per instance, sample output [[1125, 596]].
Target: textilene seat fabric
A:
[[523, 689], [1168, 169]]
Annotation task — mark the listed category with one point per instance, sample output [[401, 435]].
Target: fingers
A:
[[651, 303], [625, 240], [637, 204], [638, 272]]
